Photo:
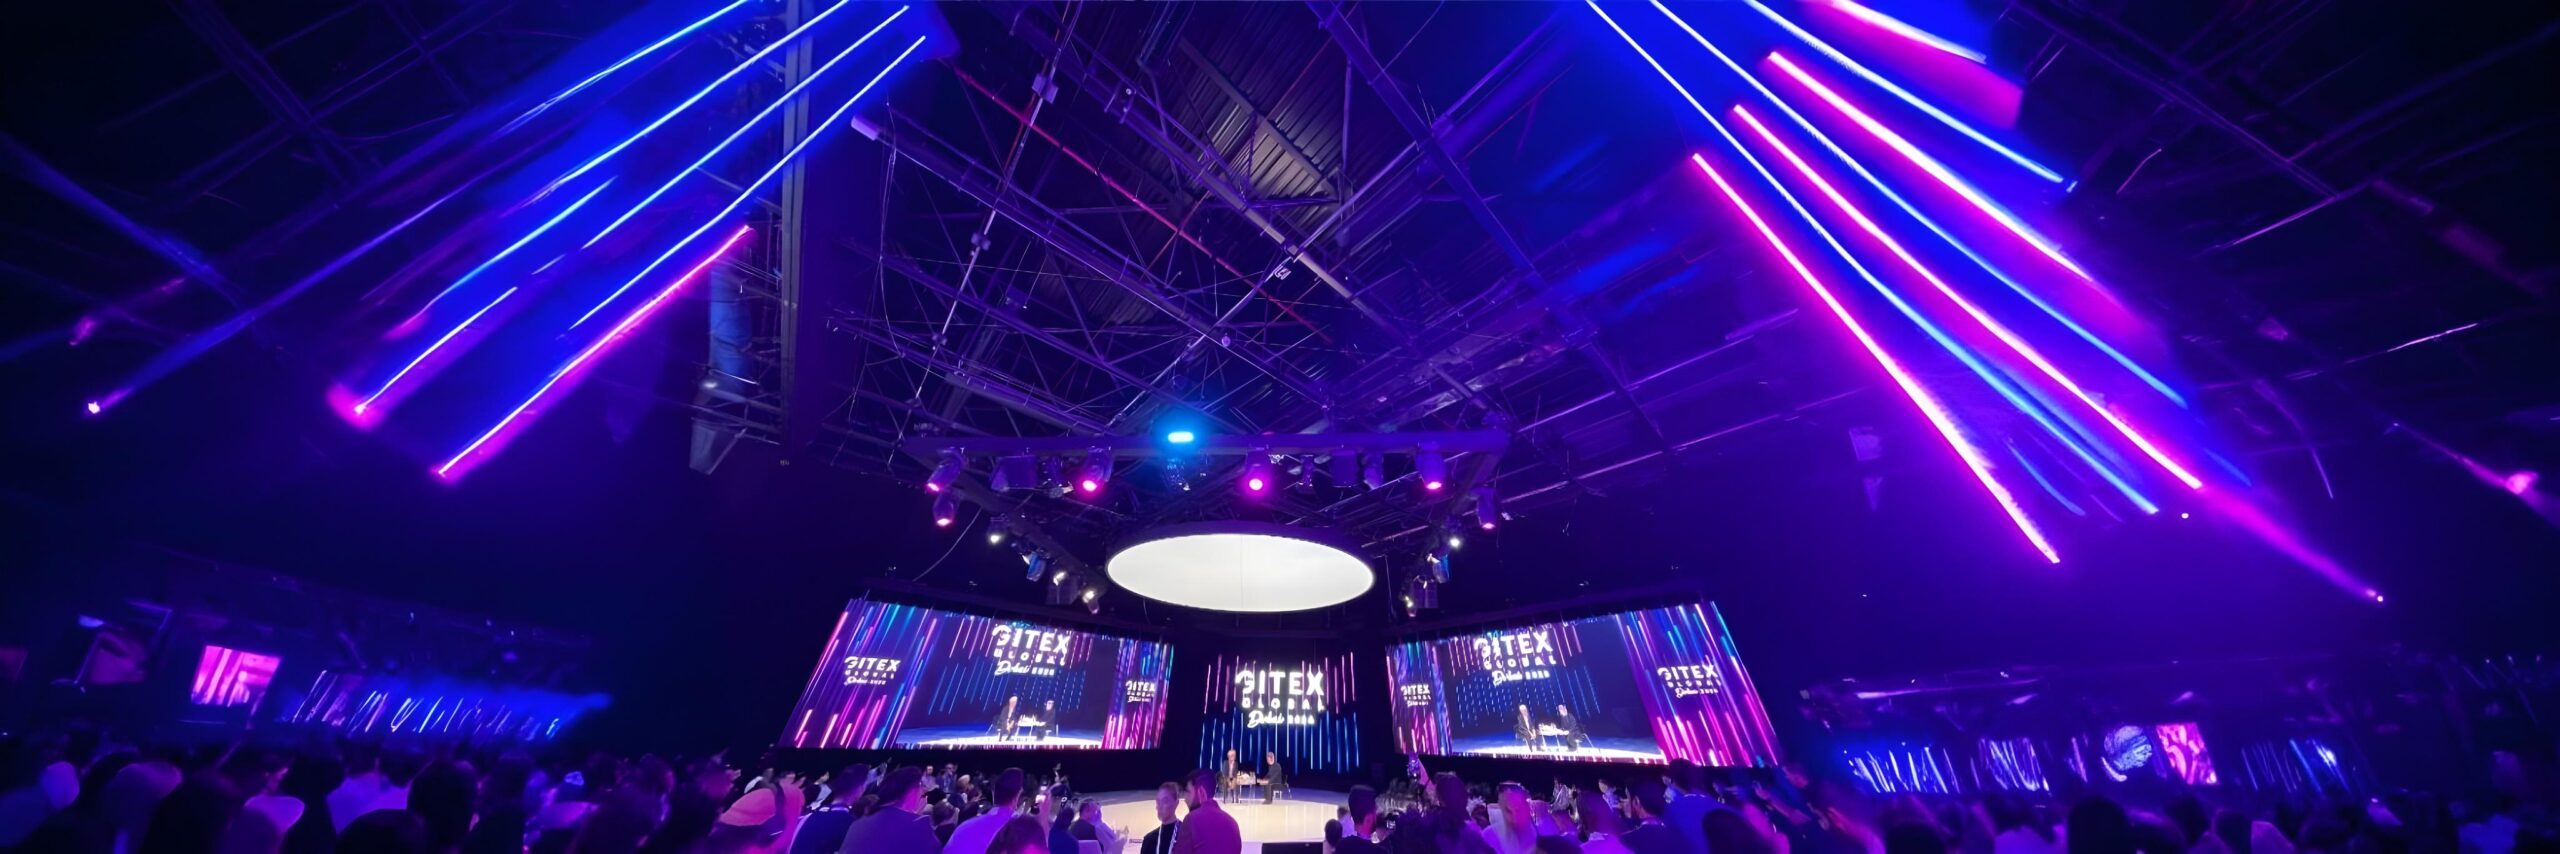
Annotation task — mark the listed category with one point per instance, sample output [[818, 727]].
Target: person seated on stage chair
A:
[[1574, 737], [1526, 730], [1048, 719], [1275, 777], [1208, 829], [1161, 839], [1229, 775], [1002, 726]]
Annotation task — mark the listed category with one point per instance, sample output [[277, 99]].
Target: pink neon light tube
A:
[[1917, 102], [1911, 388], [1931, 165], [610, 337], [1891, 24], [1993, 325]]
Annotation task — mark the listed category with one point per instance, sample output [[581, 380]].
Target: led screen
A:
[[230, 677], [1293, 711], [1640, 686], [907, 676]]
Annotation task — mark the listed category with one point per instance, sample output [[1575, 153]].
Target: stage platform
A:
[[1296, 817]]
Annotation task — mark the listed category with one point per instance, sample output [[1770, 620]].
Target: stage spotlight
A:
[[1020, 471], [1425, 594], [1059, 577], [1257, 473], [1097, 471], [1439, 561], [1092, 600], [1433, 470], [1346, 468], [1181, 437], [945, 510], [1306, 474], [995, 534], [1485, 516], [944, 472], [1373, 471], [1454, 539], [1032, 564]]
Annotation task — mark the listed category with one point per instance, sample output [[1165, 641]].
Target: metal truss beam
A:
[[917, 146], [1012, 320], [980, 381], [1216, 175]]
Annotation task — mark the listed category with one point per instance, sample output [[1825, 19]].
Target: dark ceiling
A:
[[1221, 213]]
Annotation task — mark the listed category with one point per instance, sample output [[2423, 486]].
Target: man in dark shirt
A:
[[1208, 829], [1161, 839], [1275, 777], [899, 827], [1361, 824], [1646, 805]]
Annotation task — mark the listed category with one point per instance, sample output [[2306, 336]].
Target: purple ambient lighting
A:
[[1920, 397], [1931, 165], [743, 127], [466, 278], [749, 192], [1996, 328], [584, 356], [752, 62], [1915, 101]]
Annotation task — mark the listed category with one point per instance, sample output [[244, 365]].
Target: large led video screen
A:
[[1640, 686], [897, 675]]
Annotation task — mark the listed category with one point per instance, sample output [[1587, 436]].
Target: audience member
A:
[[1161, 839], [1020, 834], [1646, 802], [1004, 803], [899, 827], [1359, 823], [1208, 829], [1599, 823], [1512, 833]]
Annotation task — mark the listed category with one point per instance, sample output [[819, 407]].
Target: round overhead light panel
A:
[[1241, 566]]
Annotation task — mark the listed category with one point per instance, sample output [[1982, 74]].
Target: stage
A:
[[1297, 817]]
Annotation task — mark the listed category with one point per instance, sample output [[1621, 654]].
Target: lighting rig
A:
[[1080, 469]]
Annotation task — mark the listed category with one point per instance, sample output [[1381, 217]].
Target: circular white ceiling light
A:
[[1240, 566]]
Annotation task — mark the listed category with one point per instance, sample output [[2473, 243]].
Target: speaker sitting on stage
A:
[[1230, 776], [1048, 719], [1275, 777], [1525, 729], [1574, 737], [1002, 726]]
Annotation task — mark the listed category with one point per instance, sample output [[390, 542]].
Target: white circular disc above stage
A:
[[1240, 566]]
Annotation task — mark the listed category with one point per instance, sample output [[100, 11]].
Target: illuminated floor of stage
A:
[[1296, 817]]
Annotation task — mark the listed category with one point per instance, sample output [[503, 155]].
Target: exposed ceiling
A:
[[1287, 217]]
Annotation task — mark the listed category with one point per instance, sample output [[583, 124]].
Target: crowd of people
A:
[[82, 795]]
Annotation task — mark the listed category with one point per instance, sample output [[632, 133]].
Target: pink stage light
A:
[[1089, 485], [1931, 165], [1911, 388], [1997, 329], [587, 355]]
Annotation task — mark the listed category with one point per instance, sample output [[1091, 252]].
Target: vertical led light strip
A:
[[749, 192], [670, 115], [1911, 388], [1931, 165], [743, 127], [1878, 183], [1962, 354], [608, 71], [1879, 80], [637, 315], [1890, 24], [1993, 325]]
